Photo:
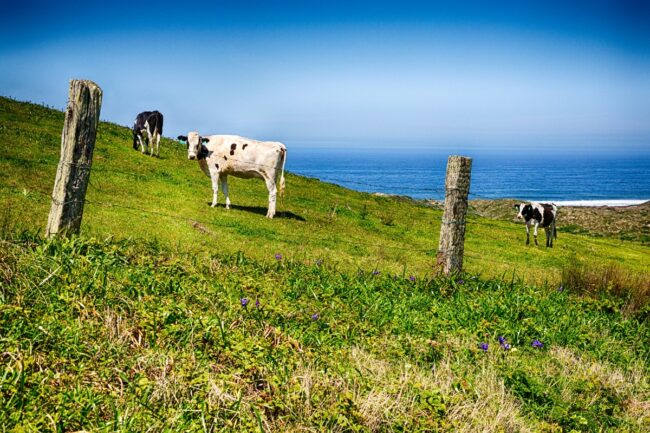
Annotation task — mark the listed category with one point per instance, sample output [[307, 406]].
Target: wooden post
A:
[[77, 144], [452, 229]]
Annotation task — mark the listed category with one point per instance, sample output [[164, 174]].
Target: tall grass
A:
[[614, 284]]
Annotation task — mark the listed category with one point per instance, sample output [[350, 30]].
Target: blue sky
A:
[[479, 75]]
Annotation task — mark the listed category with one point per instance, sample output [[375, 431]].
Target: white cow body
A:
[[223, 155]]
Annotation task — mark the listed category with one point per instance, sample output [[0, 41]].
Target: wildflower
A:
[[278, 256], [538, 344], [412, 278], [319, 262], [375, 272], [505, 346], [257, 303], [502, 340], [244, 302], [461, 282], [561, 288], [483, 347], [314, 316]]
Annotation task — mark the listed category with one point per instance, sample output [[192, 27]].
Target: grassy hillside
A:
[[132, 195], [167, 315], [622, 222]]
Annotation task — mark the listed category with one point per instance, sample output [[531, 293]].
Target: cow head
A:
[[194, 144], [525, 211]]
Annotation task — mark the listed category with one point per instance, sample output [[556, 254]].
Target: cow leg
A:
[[224, 187], [527, 233], [141, 141], [152, 144], [273, 191], [215, 187], [158, 144], [547, 230], [535, 232]]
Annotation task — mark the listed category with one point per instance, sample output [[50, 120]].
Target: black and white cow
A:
[[223, 155], [147, 129], [539, 214]]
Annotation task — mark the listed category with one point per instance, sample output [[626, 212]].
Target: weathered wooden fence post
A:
[[77, 144], [452, 229]]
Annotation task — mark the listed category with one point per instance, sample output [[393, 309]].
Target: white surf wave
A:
[[611, 203]]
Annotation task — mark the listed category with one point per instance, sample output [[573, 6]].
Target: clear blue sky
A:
[[534, 74]]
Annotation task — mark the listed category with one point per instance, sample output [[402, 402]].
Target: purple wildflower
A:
[[412, 278], [483, 347], [461, 282], [278, 256], [257, 303], [505, 346], [561, 288], [502, 340], [375, 272], [314, 316], [244, 302], [538, 344]]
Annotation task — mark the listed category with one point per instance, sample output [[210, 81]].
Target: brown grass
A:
[[633, 289]]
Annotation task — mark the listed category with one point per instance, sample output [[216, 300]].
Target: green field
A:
[[138, 323]]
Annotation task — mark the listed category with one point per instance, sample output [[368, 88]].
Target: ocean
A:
[[575, 179]]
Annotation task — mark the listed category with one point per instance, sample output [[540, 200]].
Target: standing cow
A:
[[147, 130], [539, 214], [223, 155]]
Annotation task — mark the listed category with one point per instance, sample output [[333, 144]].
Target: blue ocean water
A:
[[421, 174]]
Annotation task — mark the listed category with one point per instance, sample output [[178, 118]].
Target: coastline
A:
[[597, 203]]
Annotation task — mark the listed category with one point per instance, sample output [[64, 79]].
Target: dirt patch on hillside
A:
[[623, 222]]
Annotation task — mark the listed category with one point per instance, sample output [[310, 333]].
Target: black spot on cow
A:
[[536, 215], [225, 157], [244, 146], [527, 212], [232, 148], [216, 166], [548, 215], [203, 153]]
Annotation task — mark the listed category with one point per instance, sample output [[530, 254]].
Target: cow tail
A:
[[284, 160]]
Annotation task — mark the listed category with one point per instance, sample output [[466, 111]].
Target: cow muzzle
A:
[[191, 157]]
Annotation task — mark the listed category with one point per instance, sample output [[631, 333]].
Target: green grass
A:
[[135, 196], [129, 336], [137, 324]]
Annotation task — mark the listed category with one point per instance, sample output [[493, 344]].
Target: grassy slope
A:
[[129, 335], [317, 220]]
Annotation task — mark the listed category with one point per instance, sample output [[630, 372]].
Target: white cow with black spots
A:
[[539, 214], [223, 155]]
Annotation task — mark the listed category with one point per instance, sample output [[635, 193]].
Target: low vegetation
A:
[[166, 315], [129, 336]]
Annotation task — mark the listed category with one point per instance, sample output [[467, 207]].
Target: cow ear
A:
[[517, 206], [204, 140], [182, 138]]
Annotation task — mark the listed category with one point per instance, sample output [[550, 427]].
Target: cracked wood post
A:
[[452, 228], [77, 144]]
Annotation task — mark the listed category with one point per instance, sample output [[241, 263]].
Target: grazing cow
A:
[[223, 155], [537, 214], [147, 129]]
